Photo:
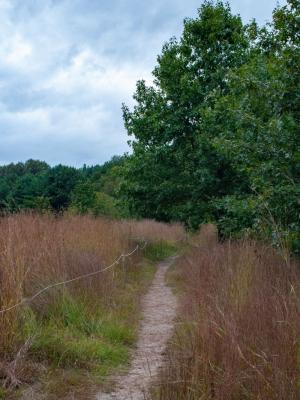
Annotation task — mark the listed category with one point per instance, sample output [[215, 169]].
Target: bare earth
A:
[[159, 311]]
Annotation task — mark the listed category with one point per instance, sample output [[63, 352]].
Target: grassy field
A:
[[72, 336], [238, 333]]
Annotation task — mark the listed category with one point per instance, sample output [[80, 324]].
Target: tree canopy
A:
[[34, 185], [216, 137]]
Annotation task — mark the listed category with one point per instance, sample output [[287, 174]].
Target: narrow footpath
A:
[[159, 311]]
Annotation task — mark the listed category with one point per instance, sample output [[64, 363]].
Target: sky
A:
[[68, 65]]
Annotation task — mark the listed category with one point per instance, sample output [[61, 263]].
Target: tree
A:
[[256, 125], [59, 184], [174, 170], [20, 184], [83, 197], [35, 185], [35, 167], [217, 136]]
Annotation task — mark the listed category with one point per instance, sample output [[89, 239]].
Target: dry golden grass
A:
[[39, 250], [238, 336]]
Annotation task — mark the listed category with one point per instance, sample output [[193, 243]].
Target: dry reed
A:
[[238, 336], [38, 250]]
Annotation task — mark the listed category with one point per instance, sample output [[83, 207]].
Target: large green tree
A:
[[256, 125], [59, 183], [217, 135], [175, 171]]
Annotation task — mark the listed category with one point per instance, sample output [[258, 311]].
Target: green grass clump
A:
[[65, 348], [73, 336], [159, 250], [116, 333]]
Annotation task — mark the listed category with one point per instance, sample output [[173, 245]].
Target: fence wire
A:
[[77, 278]]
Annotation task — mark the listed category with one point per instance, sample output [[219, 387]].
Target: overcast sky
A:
[[67, 65]]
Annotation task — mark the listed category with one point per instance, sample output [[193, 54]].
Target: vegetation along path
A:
[[159, 310]]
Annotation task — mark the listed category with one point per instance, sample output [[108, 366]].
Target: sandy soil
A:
[[159, 311]]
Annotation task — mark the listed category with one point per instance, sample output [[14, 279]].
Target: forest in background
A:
[[34, 185], [215, 139]]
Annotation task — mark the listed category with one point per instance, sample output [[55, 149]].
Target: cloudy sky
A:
[[67, 65]]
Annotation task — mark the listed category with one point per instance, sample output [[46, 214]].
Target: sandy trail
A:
[[159, 310]]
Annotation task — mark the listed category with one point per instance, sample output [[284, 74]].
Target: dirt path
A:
[[159, 310]]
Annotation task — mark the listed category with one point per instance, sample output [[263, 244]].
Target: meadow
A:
[[77, 332], [238, 331]]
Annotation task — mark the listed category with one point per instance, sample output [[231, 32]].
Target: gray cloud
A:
[[67, 65]]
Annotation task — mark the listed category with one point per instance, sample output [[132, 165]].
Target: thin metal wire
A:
[[77, 278]]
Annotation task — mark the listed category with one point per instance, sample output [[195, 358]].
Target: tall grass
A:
[[83, 322], [238, 336]]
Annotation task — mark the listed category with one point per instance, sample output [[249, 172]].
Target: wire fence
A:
[[77, 278]]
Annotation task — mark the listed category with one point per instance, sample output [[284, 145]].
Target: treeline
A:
[[217, 137], [35, 185]]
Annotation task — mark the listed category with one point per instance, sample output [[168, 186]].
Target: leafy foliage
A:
[[217, 135], [35, 185]]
